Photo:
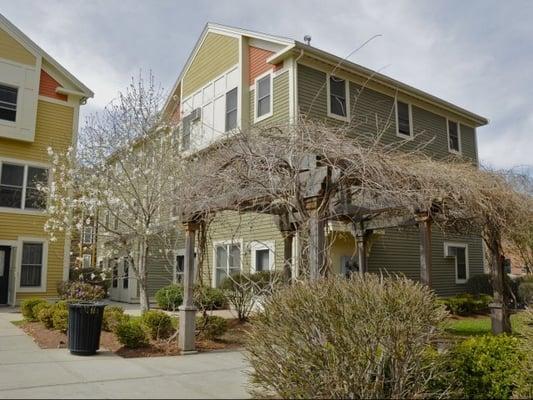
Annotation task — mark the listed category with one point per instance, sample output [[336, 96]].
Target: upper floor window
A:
[[454, 135], [231, 109], [19, 186], [338, 97], [263, 96], [404, 119], [87, 235], [8, 103]]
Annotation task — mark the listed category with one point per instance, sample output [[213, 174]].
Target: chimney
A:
[[307, 40]]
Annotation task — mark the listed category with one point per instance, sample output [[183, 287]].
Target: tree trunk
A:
[[500, 315], [143, 276]]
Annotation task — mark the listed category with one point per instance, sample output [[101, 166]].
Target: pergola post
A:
[[499, 313], [187, 311], [361, 237], [317, 241], [287, 232], [424, 225]]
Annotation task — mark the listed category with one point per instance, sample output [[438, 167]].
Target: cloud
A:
[[476, 54]]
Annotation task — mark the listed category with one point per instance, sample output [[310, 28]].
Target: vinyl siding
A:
[[280, 91], [14, 225], [160, 267], [11, 49], [217, 54], [53, 128], [373, 113]]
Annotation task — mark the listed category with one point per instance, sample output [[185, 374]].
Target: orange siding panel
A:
[[257, 63], [48, 85]]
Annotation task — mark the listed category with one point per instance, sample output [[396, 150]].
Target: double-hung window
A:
[[231, 110], [19, 186], [454, 137], [227, 261], [87, 261], [404, 119], [338, 97], [262, 256], [459, 252], [8, 103], [31, 269], [87, 235], [263, 95]]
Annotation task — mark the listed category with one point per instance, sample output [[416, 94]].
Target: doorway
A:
[[5, 262]]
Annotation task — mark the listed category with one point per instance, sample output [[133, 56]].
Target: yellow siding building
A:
[[39, 108]]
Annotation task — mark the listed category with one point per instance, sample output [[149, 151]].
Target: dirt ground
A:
[[51, 339]]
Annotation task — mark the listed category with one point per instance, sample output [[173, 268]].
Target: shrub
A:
[[131, 334], [525, 292], [169, 297], [467, 304], [113, 315], [244, 291], [524, 383], [486, 366], [94, 275], [208, 298], [211, 326], [77, 290], [363, 337], [158, 324], [479, 284], [60, 318], [27, 306], [44, 313]]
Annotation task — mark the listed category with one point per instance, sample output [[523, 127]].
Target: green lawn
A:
[[480, 325]]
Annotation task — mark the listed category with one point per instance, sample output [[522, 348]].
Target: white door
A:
[[120, 280]]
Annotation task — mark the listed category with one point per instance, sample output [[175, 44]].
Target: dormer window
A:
[[404, 119], [338, 98], [8, 103]]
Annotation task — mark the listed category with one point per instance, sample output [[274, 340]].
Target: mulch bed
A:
[[51, 339]]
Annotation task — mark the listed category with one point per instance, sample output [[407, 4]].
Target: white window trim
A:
[[90, 257], [458, 136], [411, 131], [347, 94], [464, 246], [91, 235], [263, 245], [25, 165], [240, 242], [256, 98], [18, 106], [44, 271]]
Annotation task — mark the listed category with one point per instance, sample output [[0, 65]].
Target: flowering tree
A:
[[125, 171]]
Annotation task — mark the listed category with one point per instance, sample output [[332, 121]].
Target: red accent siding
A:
[[176, 115], [257, 63], [48, 85]]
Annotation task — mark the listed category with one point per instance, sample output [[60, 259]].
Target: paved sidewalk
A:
[[26, 371]]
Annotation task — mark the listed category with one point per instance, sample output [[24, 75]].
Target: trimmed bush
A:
[[77, 290], [60, 319], [524, 382], [208, 298], [211, 326], [486, 367], [131, 334], [525, 292], [113, 315], [467, 304], [479, 284], [363, 337], [158, 324], [45, 313], [169, 297], [27, 307]]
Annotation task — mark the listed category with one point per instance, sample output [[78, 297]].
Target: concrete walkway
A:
[[26, 371]]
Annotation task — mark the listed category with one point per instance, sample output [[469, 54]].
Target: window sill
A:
[[262, 117], [9, 210], [404, 136], [338, 117], [36, 289], [457, 153]]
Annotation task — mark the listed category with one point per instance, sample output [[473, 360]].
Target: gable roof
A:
[[29, 44], [294, 47]]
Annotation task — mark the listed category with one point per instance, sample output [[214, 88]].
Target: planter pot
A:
[[84, 327]]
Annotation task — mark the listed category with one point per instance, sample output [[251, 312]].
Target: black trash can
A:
[[84, 327]]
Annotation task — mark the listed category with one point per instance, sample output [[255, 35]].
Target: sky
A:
[[477, 54]]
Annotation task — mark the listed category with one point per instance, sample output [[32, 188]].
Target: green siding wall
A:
[[374, 113], [280, 91]]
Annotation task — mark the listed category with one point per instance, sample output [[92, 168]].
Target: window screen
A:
[[11, 185], [262, 260], [35, 199], [404, 122], [337, 96]]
